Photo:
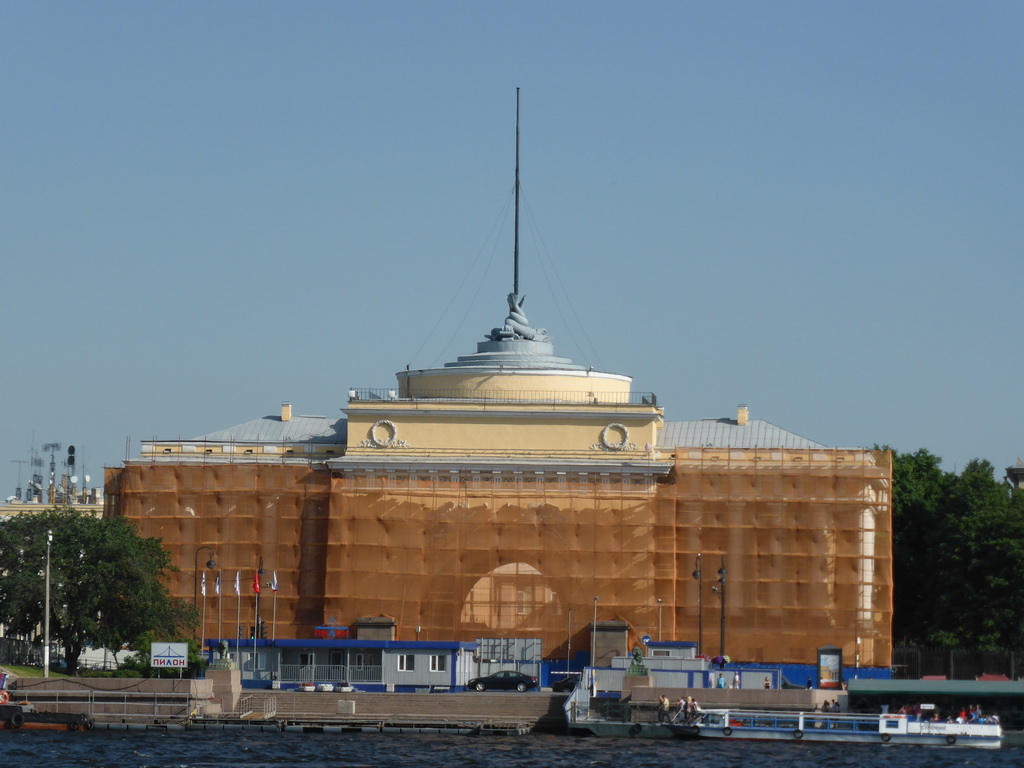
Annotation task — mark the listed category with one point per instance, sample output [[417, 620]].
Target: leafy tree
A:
[[958, 550], [106, 583], [919, 489], [984, 553]]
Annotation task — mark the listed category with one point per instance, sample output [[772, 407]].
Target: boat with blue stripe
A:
[[766, 725]]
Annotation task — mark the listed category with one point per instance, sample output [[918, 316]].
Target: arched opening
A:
[[512, 597]]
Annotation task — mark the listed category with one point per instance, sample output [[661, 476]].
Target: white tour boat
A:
[[837, 727]]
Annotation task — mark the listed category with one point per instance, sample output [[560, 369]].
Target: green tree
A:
[[106, 584], [984, 556], [958, 550], [920, 488]]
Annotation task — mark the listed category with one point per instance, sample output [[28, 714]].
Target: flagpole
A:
[[238, 617], [273, 631], [256, 588], [202, 634], [220, 610]]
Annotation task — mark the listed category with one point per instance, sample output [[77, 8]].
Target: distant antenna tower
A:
[[17, 491], [52, 448]]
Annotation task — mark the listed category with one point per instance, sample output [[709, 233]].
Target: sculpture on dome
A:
[[516, 325]]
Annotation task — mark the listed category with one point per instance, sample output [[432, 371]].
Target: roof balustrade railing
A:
[[509, 396]]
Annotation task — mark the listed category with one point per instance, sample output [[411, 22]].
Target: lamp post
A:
[[700, 606], [258, 584], [593, 638], [195, 577], [659, 619], [721, 581], [568, 643], [46, 615]]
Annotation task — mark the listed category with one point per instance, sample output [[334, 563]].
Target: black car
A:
[[506, 680], [566, 684]]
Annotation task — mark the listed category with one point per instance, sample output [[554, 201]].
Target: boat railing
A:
[[792, 721], [844, 722]]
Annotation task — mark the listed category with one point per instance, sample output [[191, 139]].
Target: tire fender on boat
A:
[[17, 720], [73, 725], [886, 737], [798, 734], [951, 739], [727, 731], [634, 730]]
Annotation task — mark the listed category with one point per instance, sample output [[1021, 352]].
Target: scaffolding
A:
[[458, 554]]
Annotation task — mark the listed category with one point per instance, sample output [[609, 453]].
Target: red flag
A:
[[256, 583]]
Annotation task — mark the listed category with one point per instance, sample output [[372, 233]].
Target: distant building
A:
[[1015, 475], [513, 493]]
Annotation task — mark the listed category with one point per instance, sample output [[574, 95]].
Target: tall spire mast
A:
[[515, 282]]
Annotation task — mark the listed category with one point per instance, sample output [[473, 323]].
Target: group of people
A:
[[686, 710], [971, 714], [833, 707], [721, 683]]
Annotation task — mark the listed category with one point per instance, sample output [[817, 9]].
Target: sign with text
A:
[[173, 655]]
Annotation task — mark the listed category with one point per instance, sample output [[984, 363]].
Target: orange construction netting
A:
[[805, 537]]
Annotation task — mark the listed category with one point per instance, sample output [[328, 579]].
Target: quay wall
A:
[[146, 701], [128, 700]]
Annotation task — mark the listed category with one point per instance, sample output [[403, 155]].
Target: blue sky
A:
[[813, 208]]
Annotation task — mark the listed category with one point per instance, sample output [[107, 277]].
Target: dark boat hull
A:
[[16, 717]]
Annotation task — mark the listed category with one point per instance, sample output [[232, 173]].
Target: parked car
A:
[[566, 684], [505, 680]]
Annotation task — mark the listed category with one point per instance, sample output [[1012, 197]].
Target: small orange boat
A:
[[25, 716]]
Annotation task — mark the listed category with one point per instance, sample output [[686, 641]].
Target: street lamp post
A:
[[195, 576], [568, 643], [46, 615], [721, 581], [593, 638], [259, 582], [659, 619], [700, 606]]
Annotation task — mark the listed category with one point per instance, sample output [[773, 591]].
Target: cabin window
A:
[[437, 663], [406, 662]]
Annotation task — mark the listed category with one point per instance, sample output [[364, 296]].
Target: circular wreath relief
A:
[[391, 429], [614, 446]]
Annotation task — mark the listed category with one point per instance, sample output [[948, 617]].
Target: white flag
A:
[[202, 587], [238, 582], [216, 586], [273, 584]]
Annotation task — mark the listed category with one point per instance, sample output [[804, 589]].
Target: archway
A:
[[514, 597]]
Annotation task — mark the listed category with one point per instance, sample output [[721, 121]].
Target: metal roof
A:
[[701, 433], [922, 688], [271, 429], [727, 433]]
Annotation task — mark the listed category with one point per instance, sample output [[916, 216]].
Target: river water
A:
[[243, 749]]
